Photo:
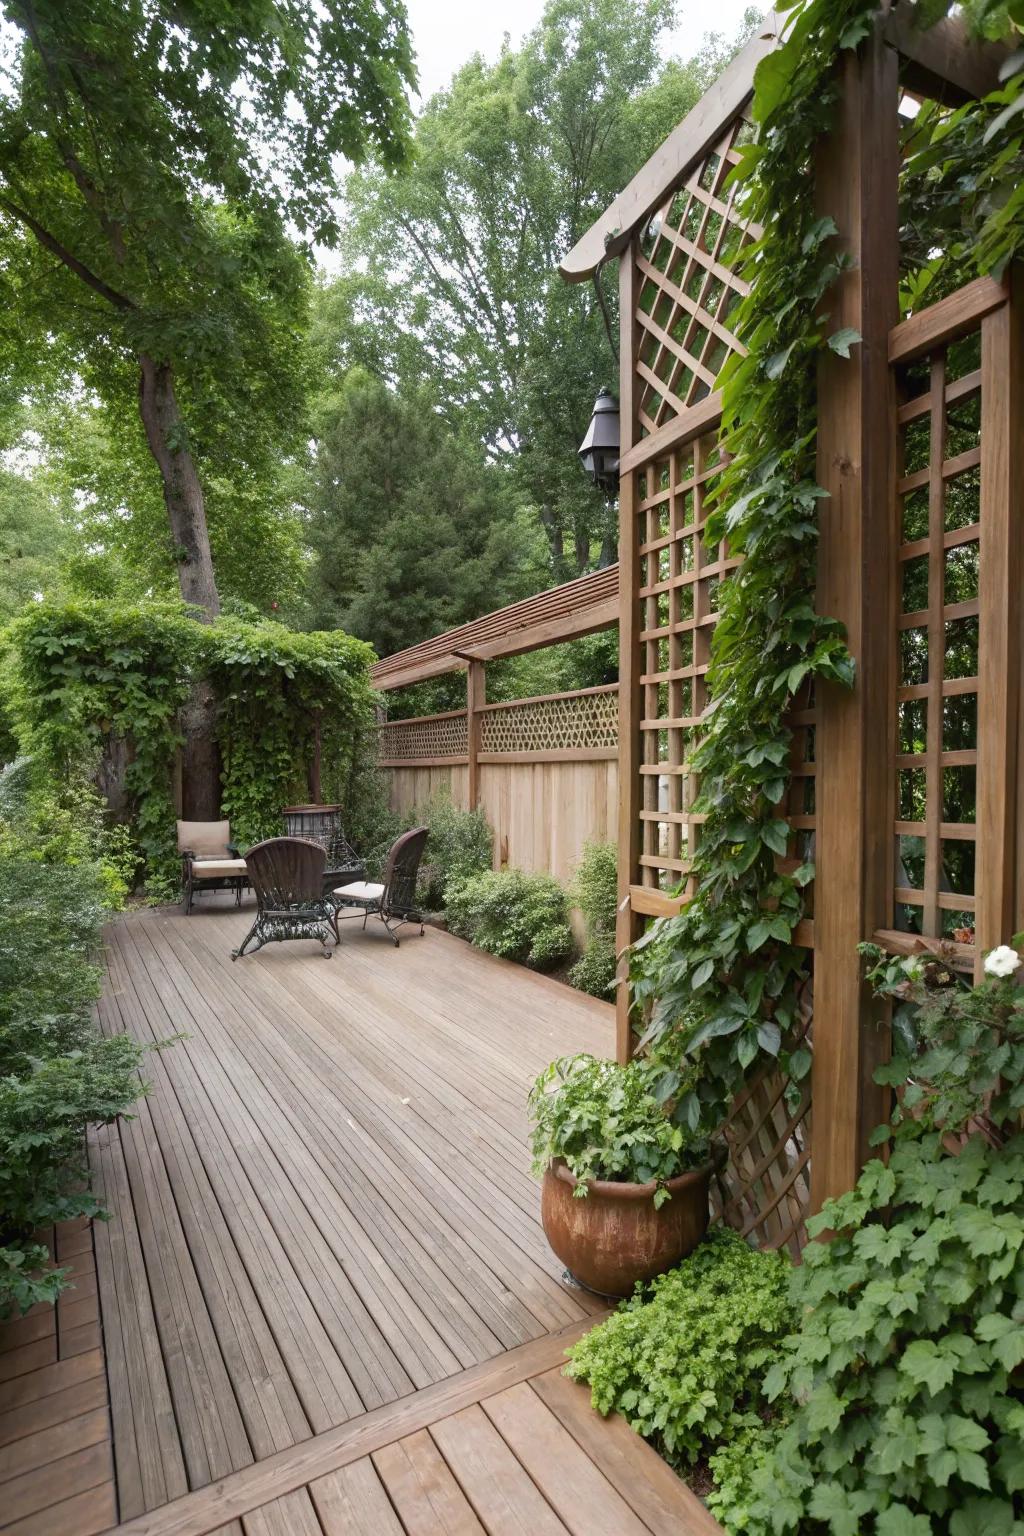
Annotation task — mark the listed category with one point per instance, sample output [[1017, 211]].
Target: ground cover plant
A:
[[684, 1360], [57, 1074]]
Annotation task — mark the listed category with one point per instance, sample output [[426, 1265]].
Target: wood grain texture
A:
[[857, 185]]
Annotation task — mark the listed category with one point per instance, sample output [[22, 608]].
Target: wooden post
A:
[[476, 695], [1001, 619], [857, 184], [630, 713]]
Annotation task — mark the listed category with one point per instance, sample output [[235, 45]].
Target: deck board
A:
[[327, 1304], [324, 1205]]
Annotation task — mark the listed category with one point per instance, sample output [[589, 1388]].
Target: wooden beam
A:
[[943, 322], [1001, 619], [476, 695], [627, 924], [856, 178], [686, 144], [585, 621], [693, 422], [944, 62]]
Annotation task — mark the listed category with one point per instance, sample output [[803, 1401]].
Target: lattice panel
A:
[[688, 286], [566, 722], [764, 1189], [433, 736], [940, 543], [678, 595]]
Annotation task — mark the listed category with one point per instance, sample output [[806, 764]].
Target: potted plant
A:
[[624, 1189]]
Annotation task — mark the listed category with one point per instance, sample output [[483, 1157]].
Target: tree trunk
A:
[[183, 494], [186, 509], [556, 541]]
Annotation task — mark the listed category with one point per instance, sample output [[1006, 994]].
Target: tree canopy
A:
[[450, 271]]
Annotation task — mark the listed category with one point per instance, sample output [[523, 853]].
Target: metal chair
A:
[[287, 874], [209, 860], [394, 896]]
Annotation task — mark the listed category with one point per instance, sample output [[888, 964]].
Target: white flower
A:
[[913, 966], [1001, 961]]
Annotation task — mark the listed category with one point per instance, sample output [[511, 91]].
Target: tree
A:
[[451, 269], [152, 153], [414, 531]]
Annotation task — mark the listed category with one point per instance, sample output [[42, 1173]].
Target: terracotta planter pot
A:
[[614, 1236]]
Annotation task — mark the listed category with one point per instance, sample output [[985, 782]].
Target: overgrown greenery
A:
[[684, 1359], [604, 1121], [508, 912], [58, 876], [595, 892], [96, 683], [902, 1386]]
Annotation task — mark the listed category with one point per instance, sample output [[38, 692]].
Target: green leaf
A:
[[842, 340], [900, 1520], [927, 1366]]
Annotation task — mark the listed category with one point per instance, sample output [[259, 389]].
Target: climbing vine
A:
[[97, 690], [720, 980]]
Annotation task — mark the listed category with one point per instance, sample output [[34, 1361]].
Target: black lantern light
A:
[[599, 450]]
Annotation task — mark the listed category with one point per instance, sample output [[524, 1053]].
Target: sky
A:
[[447, 32]]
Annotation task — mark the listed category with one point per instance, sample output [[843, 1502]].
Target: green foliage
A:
[[606, 1123], [170, 251], [907, 1416], [92, 674], [461, 291], [958, 1056], [717, 984], [962, 185], [279, 690], [903, 1383], [413, 529], [594, 971], [460, 846], [57, 1075], [595, 892], [508, 912], [684, 1360]]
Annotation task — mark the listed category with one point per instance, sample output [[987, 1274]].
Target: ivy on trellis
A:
[[720, 979]]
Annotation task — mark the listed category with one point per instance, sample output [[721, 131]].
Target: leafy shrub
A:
[[511, 913], [904, 1379], [57, 1076], [684, 1360], [594, 971], [461, 845], [605, 1122], [595, 892]]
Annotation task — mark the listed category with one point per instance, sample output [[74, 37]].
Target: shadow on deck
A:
[[327, 1303]]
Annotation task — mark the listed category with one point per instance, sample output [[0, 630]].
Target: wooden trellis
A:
[[686, 258], [904, 791]]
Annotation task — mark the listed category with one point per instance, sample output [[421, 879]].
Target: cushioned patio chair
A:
[[395, 895], [287, 874], [209, 860]]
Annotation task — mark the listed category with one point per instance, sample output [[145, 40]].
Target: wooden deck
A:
[[327, 1304]]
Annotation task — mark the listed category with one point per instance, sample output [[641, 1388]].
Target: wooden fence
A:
[[544, 771]]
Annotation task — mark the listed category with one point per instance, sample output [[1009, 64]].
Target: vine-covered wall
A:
[[96, 681]]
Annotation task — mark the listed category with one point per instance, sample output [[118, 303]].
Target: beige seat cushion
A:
[[206, 839], [360, 890], [217, 869]]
